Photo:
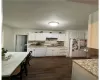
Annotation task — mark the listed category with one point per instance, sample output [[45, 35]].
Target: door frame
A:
[[16, 39]]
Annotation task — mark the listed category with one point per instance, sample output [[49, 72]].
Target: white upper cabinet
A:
[[61, 37], [48, 35], [43, 36], [51, 35], [36, 37], [54, 35], [31, 36], [40, 37]]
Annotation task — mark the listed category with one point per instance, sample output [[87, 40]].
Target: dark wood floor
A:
[[49, 68]]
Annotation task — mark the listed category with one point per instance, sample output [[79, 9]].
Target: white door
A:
[[20, 43]]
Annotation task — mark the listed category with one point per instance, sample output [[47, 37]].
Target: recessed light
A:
[[53, 23]]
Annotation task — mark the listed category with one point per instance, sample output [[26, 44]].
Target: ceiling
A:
[[36, 14]]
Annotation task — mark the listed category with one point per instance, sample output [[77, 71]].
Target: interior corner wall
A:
[[8, 38]]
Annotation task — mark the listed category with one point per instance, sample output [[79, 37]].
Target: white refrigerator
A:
[[77, 47]]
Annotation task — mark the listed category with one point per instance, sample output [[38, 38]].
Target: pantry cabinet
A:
[[76, 34], [61, 37], [86, 35]]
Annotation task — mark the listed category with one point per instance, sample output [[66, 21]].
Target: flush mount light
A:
[[53, 23]]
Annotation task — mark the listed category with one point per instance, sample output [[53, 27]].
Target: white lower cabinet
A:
[[56, 52], [49, 52], [31, 49], [53, 51], [62, 51], [33, 52], [40, 52]]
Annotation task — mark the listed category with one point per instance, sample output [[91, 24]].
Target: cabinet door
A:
[[40, 37], [33, 52], [51, 35], [31, 37], [62, 52], [49, 52], [61, 37], [48, 35], [31, 49], [40, 52], [54, 35], [55, 52]]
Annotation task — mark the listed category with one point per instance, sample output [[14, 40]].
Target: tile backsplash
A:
[[52, 42]]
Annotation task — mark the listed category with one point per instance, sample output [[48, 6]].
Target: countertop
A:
[[91, 65], [47, 47], [8, 66]]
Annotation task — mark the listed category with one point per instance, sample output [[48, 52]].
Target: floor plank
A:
[[49, 68]]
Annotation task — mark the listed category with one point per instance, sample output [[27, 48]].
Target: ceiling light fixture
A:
[[53, 23]]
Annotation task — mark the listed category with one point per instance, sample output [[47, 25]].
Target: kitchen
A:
[[56, 37]]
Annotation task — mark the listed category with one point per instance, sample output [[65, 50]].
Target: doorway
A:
[[21, 43]]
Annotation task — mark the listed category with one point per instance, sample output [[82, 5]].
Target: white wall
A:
[[8, 38]]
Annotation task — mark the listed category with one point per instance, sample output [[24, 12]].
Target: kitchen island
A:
[[85, 69]]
